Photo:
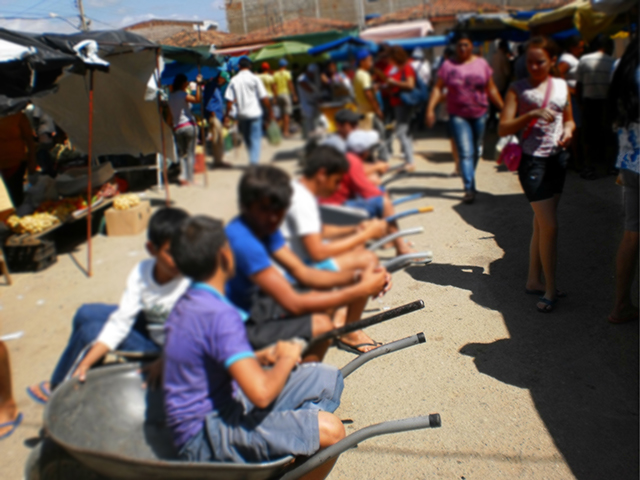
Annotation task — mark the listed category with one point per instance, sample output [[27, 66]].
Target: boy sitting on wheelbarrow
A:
[[356, 189], [220, 404], [277, 309], [153, 287], [328, 247]]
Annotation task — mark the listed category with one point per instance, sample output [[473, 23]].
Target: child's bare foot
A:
[[40, 393], [624, 314], [10, 418]]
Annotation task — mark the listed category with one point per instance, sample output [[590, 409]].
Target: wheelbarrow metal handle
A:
[[406, 260], [367, 322], [360, 360], [406, 213], [384, 428], [407, 198], [393, 236]]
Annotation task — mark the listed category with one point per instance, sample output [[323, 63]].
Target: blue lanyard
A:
[[208, 288]]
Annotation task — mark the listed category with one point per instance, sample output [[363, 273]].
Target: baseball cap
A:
[[336, 142], [265, 66], [283, 62], [360, 141], [348, 116], [362, 54], [313, 68]]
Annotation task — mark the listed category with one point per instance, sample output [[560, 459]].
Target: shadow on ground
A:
[[581, 371]]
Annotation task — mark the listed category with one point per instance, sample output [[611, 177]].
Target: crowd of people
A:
[[222, 302]]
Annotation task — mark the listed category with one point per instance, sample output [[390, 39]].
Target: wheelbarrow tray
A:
[[117, 428]]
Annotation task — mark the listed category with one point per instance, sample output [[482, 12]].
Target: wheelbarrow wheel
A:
[[48, 461]]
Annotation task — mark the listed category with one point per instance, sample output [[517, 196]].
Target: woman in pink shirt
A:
[[469, 84]]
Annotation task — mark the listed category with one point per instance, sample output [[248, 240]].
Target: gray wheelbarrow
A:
[[112, 427]]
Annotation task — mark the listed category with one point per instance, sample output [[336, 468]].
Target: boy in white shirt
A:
[[328, 247], [153, 287]]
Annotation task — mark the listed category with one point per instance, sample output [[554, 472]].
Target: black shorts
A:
[[269, 322], [542, 177]]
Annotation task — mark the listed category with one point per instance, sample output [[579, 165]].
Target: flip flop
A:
[[548, 305], [354, 348], [13, 424], [625, 319], [540, 293], [43, 389]]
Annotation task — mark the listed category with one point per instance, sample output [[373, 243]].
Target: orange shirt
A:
[[13, 131]]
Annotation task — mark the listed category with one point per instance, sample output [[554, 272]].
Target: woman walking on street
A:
[[539, 107], [402, 78], [184, 124], [469, 83], [624, 102]]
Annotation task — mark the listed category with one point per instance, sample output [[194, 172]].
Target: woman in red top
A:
[[18, 154], [401, 78]]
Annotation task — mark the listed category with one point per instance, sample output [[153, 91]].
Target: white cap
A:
[[336, 142], [417, 54], [360, 141]]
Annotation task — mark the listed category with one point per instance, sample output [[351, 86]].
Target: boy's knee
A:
[[367, 258], [331, 429], [320, 323]]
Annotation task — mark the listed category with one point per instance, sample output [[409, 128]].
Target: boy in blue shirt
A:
[[277, 309], [220, 404]]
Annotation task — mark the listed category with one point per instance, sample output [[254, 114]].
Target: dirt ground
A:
[[521, 394]]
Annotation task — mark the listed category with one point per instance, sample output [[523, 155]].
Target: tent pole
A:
[[202, 132], [164, 156], [90, 183]]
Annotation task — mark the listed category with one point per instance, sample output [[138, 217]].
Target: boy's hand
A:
[[153, 372], [267, 356], [374, 280], [387, 285], [289, 350]]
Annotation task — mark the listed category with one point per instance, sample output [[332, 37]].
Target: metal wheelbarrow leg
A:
[[403, 261]]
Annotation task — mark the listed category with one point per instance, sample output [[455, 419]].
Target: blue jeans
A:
[[251, 131], [87, 325], [468, 133]]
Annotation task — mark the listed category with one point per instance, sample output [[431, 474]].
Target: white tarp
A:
[[419, 28], [10, 52], [123, 122]]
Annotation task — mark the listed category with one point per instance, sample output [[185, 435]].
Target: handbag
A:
[[418, 95], [511, 153]]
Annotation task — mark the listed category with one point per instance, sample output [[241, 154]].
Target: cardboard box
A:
[[128, 222]]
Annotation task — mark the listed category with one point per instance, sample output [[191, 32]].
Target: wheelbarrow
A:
[[113, 427]]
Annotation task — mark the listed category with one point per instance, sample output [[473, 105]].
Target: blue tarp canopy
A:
[[174, 68], [343, 44], [421, 42]]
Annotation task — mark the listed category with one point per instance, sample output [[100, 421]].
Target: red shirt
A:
[[355, 183], [400, 74]]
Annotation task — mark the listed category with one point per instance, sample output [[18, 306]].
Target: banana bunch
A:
[[127, 201], [36, 223]]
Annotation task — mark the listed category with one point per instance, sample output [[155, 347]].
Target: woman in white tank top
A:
[[539, 108]]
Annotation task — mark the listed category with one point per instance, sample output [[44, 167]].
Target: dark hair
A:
[[572, 41], [328, 158], [195, 247], [623, 101], [164, 223], [264, 181], [399, 55], [602, 42], [244, 63], [461, 35], [504, 45], [178, 81]]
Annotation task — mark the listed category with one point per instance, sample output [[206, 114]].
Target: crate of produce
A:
[[33, 256]]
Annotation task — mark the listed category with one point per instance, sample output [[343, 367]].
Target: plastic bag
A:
[[274, 135]]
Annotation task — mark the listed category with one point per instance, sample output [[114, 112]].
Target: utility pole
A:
[[244, 18], [317, 9], [84, 25], [361, 14]]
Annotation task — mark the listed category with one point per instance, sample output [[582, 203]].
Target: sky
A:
[[61, 16]]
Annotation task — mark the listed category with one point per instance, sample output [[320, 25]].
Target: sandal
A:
[[44, 391], [623, 319], [13, 424], [548, 305], [354, 348]]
